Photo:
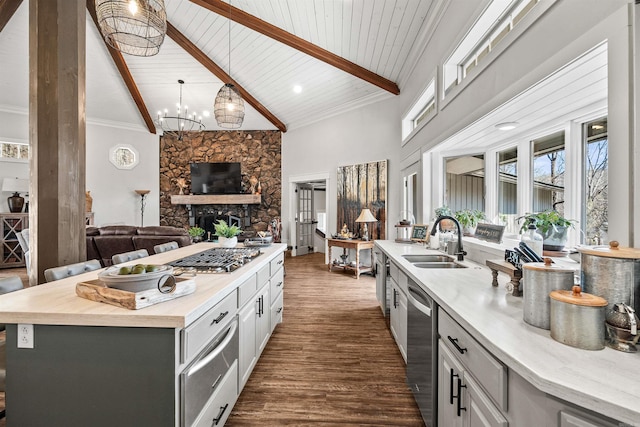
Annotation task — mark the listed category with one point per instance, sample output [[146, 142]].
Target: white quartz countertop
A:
[[56, 303], [606, 381]]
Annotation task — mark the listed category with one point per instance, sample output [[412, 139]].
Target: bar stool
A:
[[8, 284], [57, 273], [165, 247], [129, 256]]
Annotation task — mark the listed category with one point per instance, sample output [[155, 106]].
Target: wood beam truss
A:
[[269, 30], [201, 57], [7, 9], [125, 74]]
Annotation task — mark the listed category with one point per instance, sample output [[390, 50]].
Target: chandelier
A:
[[228, 107], [136, 27], [182, 122]]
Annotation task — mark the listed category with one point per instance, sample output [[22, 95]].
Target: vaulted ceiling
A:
[[343, 54]]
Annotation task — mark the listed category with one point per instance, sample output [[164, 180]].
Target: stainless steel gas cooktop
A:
[[217, 260]]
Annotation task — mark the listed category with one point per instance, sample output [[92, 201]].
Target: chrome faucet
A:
[[461, 253]]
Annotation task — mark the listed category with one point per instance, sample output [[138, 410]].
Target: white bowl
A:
[[162, 279]]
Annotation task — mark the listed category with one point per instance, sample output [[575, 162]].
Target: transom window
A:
[[421, 111], [498, 20]]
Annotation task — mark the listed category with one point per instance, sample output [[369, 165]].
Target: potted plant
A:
[[196, 234], [551, 225], [227, 234], [446, 224], [469, 219]]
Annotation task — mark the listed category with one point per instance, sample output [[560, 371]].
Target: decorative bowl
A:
[[162, 279]]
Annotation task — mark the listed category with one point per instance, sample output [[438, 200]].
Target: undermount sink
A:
[[428, 258], [449, 264]]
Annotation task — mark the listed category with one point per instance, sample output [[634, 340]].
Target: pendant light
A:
[[228, 107], [135, 27]]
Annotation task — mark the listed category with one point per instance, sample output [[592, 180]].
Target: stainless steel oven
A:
[[421, 351], [201, 378]]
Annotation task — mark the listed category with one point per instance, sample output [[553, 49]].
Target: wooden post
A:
[[57, 129]]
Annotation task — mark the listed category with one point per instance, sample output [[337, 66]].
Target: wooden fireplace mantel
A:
[[215, 199]]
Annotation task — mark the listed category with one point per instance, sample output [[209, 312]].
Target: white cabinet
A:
[[255, 329], [398, 318], [472, 384], [461, 400], [262, 310]]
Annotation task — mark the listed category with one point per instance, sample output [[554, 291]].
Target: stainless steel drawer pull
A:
[[217, 419], [219, 318], [215, 383], [454, 341]]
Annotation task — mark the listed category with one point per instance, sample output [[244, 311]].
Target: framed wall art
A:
[[363, 186]]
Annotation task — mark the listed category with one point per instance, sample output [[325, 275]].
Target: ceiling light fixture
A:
[[297, 89], [135, 27], [229, 106], [182, 122], [507, 125]]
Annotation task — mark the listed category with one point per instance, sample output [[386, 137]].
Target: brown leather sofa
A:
[[104, 242]]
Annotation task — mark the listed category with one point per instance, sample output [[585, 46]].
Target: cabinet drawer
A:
[[263, 275], [217, 410], [277, 307], [489, 371], [399, 277], [277, 284], [200, 332], [247, 290], [277, 263]]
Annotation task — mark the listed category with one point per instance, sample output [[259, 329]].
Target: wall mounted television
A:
[[216, 178]]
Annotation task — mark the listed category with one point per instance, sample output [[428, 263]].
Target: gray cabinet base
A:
[[91, 376]]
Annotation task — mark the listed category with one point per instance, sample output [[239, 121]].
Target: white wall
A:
[[112, 189], [364, 135]]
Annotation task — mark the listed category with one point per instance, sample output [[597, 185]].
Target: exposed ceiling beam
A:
[[269, 30], [7, 9], [201, 57], [124, 73]]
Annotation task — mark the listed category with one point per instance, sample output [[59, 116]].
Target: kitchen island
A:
[[101, 365], [549, 383]]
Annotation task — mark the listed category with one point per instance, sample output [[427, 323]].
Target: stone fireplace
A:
[[258, 152]]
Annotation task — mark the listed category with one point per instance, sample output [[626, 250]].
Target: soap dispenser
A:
[[533, 239]]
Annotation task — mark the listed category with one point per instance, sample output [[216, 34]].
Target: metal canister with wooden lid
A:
[[612, 273], [539, 279], [577, 319]]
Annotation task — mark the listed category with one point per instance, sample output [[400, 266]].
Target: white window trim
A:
[[511, 37], [426, 97]]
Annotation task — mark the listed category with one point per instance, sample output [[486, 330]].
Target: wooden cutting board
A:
[[95, 290]]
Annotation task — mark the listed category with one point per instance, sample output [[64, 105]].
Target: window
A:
[[464, 185], [421, 111], [596, 182], [548, 173], [498, 19], [14, 150], [508, 189]]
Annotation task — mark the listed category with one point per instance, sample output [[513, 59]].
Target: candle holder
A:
[[143, 195]]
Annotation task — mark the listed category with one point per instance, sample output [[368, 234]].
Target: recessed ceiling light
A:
[[507, 125], [297, 88], [206, 113]]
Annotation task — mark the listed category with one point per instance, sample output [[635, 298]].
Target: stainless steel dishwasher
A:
[[421, 351]]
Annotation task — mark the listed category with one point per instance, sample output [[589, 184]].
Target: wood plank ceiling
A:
[[343, 54]]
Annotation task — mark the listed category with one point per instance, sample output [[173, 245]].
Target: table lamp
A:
[[365, 217]]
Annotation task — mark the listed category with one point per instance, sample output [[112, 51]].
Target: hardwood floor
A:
[[332, 361]]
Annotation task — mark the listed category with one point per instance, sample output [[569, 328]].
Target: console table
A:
[[356, 245]]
